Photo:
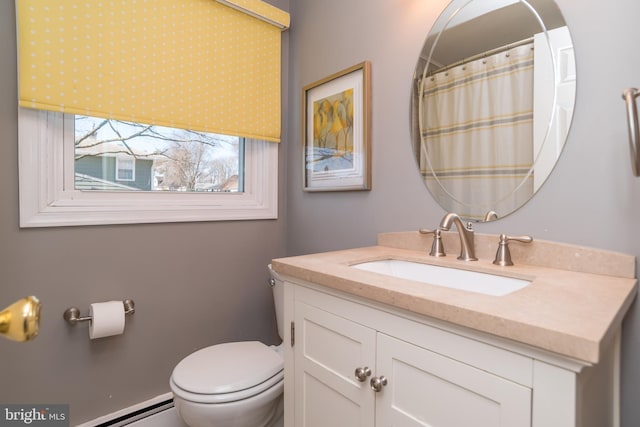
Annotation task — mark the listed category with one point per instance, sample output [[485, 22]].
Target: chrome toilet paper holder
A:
[[72, 314]]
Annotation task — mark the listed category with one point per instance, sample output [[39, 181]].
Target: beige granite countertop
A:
[[574, 311]]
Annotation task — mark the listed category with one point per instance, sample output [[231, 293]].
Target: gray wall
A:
[[591, 198], [194, 284], [203, 283]]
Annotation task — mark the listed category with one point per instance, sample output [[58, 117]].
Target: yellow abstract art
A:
[[333, 122], [336, 129]]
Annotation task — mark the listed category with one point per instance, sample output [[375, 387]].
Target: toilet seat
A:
[[227, 372]]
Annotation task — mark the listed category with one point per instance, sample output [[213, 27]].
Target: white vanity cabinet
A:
[[437, 374], [429, 389]]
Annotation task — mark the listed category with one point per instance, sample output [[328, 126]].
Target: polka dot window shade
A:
[[204, 65]]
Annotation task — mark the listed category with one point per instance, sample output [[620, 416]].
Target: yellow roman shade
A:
[[206, 65]]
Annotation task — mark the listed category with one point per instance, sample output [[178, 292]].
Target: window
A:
[[194, 68], [125, 169], [53, 191]]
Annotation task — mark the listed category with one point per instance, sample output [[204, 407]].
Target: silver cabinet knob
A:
[[362, 374], [378, 382]]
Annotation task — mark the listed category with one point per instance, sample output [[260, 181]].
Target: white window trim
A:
[[132, 161], [48, 197]]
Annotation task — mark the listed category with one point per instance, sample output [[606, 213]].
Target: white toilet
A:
[[236, 384]]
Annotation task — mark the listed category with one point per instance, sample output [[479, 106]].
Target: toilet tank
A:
[[277, 286]]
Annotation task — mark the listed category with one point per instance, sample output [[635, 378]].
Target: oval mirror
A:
[[492, 103]]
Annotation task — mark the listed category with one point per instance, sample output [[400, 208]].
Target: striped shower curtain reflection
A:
[[477, 131]]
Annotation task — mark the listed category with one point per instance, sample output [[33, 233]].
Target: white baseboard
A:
[[144, 409]]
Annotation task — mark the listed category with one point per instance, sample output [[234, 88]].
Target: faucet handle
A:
[[437, 247], [503, 256]]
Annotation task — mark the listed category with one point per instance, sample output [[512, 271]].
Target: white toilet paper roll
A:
[[107, 319]]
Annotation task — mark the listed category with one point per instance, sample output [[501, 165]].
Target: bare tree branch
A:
[[182, 158], [92, 132]]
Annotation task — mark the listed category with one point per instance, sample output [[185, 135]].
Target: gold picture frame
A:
[[336, 131]]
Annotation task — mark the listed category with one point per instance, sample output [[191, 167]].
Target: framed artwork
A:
[[336, 131]]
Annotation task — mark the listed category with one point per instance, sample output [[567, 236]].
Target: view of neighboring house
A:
[[114, 166], [109, 166]]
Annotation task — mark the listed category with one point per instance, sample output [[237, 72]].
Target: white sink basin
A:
[[484, 283]]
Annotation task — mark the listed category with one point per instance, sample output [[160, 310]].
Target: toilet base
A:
[[264, 410]]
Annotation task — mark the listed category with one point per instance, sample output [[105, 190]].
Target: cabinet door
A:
[[428, 389], [327, 351]]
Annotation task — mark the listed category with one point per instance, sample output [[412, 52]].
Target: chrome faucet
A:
[[467, 247]]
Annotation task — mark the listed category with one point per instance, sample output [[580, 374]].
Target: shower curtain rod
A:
[[482, 55]]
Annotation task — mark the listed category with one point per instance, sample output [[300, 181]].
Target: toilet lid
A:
[[227, 368]]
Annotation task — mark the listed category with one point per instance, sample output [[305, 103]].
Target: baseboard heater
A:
[[134, 413]]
